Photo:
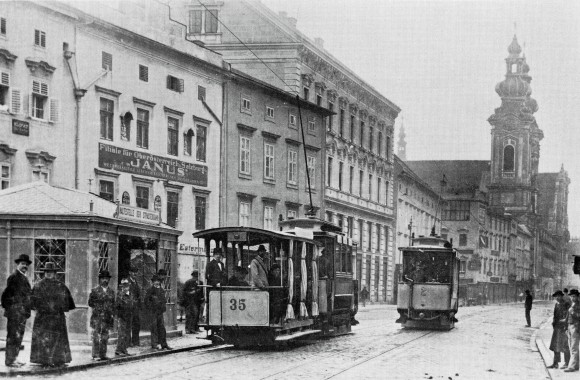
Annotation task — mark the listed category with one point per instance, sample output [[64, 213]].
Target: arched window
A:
[[508, 158], [126, 199]]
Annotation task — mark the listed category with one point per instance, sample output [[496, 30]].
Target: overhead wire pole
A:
[[311, 210]]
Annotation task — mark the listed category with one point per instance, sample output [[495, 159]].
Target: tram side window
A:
[[427, 267]]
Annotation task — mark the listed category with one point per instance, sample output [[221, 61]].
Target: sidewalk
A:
[[542, 341], [82, 358]]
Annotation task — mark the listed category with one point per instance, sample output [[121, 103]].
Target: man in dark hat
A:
[[16, 304], [528, 306], [573, 331], [215, 271], [102, 300], [51, 299], [559, 342], [192, 301], [124, 306], [135, 315], [155, 303], [277, 294], [259, 269]]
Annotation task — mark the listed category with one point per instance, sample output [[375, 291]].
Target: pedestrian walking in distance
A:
[[559, 342], [573, 331], [124, 306], [364, 295], [16, 303], [51, 299], [192, 301], [135, 316], [528, 306], [102, 300], [155, 303]]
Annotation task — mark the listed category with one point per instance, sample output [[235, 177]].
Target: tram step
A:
[[296, 335]]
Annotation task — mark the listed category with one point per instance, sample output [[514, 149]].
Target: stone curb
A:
[[80, 367], [535, 343]]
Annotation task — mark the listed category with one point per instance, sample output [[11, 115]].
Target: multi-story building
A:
[[358, 156]]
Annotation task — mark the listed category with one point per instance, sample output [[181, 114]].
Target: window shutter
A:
[[169, 81], [144, 73], [201, 93], [181, 85], [16, 101], [107, 59], [30, 105], [54, 110], [2, 25], [5, 79], [40, 88]]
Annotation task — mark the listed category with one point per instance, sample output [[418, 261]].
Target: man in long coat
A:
[[528, 306], [51, 299], [16, 303], [259, 270], [102, 300], [155, 303], [124, 305], [135, 316], [192, 300], [573, 331], [215, 271], [559, 342]]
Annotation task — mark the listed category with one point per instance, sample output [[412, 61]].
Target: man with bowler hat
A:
[[193, 299], [559, 341], [16, 304], [528, 306], [135, 317], [573, 330], [215, 271], [102, 300], [155, 303], [51, 299], [124, 305]]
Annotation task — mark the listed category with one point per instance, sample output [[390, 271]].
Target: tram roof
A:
[[255, 235]]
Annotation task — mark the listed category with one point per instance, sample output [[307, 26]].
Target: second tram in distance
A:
[[427, 291]]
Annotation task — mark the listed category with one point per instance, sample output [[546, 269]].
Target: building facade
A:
[[358, 156]]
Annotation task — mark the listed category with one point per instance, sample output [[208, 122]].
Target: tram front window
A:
[[427, 267]]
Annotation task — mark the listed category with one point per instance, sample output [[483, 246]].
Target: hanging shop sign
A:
[[20, 127], [136, 214], [131, 161]]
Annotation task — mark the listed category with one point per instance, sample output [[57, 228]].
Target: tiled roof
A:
[[461, 176], [39, 198]]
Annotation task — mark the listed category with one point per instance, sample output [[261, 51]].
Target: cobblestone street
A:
[[489, 342]]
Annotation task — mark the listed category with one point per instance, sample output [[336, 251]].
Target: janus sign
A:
[[130, 161]]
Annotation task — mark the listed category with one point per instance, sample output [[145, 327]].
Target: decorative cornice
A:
[[37, 154], [312, 147], [270, 135], [331, 95], [108, 91], [343, 102], [142, 180], [173, 186], [363, 114], [292, 204], [197, 190], [320, 87], [270, 200], [293, 142], [246, 128], [353, 108], [373, 120], [245, 195], [143, 102], [198, 119], [106, 173], [8, 55], [171, 110], [35, 63], [307, 80], [7, 149]]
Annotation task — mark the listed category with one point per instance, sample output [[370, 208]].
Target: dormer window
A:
[[203, 21]]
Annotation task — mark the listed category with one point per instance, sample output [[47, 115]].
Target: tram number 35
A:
[[239, 304]]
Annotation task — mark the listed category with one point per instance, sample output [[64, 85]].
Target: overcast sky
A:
[[440, 61]]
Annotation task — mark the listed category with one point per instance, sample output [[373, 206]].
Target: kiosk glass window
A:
[[49, 251]]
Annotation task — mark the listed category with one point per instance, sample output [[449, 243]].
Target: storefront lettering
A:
[[134, 214]]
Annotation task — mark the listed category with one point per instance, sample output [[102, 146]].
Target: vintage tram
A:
[[427, 290], [315, 293]]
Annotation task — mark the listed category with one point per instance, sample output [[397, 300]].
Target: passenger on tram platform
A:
[[277, 294], [258, 269], [324, 264], [215, 272], [239, 277]]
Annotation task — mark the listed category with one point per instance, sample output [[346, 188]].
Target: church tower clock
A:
[[515, 141]]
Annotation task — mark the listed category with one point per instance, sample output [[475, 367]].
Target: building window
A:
[[350, 179], [371, 132], [380, 144], [201, 141], [311, 162], [187, 142], [142, 128], [291, 214], [292, 166], [142, 197], [39, 38], [103, 261], [350, 227], [201, 93], [370, 186], [245, 155], [269, 112], [39, 100], [143, 73], [107, 107], [292, 121], [386, 192], [246, 104], [462, 240], [370, 235], [462, 266], [331, 117], [172, 208], [3, 26], [175, 84], [200, 206], [211, 21], [4, 177], [107, 61], [195, 21], [126, 198], [456, 210], [318, 100], [351, 128], [269, 218], [508, 158], [329, 172], [340, 174], [306, 93], [49, 251], [312, 126], [107, 190], [360, 182], [269, 161], [360, 233], [172, 136], [379, 181], [388, 148], [245, 209], [40, 175], [362, 133]]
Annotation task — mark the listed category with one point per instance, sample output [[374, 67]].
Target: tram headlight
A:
[[421, 315]]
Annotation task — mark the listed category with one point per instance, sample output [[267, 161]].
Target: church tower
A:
[[515, 142], [402, 144]]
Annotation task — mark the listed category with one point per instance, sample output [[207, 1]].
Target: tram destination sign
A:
[[131, 161]]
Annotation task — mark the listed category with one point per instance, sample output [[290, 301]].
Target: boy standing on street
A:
[[124, 305], [155, 303]]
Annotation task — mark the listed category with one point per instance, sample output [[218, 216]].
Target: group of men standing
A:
[[50, 298], [566, 334]]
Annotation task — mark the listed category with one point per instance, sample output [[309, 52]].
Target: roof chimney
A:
[[319, 42], [291, 21]]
